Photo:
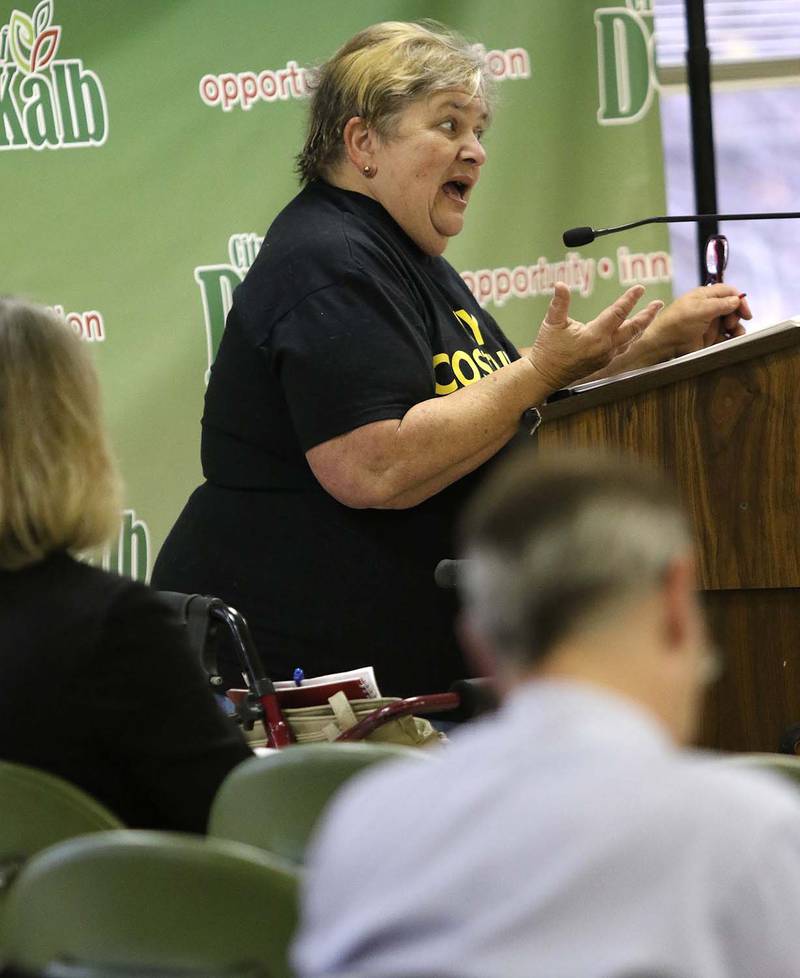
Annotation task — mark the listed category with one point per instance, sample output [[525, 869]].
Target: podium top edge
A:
[[748, 347]]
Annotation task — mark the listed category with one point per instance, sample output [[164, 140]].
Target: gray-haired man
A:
[[571, 835]]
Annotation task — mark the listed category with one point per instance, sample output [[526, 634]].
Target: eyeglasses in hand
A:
[[716, 258]]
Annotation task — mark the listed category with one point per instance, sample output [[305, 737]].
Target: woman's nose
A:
[[473, 152]]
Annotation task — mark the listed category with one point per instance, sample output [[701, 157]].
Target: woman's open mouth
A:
[[456, 190]]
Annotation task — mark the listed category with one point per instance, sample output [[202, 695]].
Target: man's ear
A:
[[680, 602], [478, 652], [359, 142]]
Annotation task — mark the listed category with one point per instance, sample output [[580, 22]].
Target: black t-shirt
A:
[[341, 321]]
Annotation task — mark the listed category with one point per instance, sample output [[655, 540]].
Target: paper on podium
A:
[[356, 684]]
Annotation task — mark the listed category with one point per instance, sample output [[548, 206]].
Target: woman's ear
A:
[[359, 142]]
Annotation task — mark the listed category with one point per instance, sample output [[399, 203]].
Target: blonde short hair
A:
[[59, 487], [375, 76]]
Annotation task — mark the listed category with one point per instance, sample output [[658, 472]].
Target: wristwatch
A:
[[531, 419]]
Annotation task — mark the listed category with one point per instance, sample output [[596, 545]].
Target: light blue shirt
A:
[[564, 838]]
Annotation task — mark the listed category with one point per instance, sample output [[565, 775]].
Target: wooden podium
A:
[[725, 424]]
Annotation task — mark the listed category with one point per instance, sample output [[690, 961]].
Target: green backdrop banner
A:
[[145, 148]]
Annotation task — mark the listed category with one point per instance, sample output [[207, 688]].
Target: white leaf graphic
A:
[[42, 15]]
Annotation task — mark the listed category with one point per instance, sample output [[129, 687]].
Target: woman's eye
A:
[[449, 124], [479, 134]]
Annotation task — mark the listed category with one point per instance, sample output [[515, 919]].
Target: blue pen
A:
[[298, 675]]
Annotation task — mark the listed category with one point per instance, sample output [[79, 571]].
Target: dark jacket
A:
[[98, 686]]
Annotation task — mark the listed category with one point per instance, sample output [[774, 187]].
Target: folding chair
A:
[[786, 765], [36, 810], [129, 903], [275, 802]]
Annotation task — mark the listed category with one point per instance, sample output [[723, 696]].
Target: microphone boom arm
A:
[[575, 237]]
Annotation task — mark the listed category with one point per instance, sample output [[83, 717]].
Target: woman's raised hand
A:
[[567, 350], [706, 315]]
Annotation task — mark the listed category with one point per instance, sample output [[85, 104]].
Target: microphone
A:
[[575, 237], [447, 573]]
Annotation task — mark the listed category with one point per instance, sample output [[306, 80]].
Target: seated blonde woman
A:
[[80, 646]]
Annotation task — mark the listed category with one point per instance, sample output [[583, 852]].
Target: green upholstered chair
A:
[[37, 810], [274, 802], [787, 765], [136, 902]]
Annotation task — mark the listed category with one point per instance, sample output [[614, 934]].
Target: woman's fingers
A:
[[727, 304], [719, 289], [558, 310], [615, 315], [729, 326], [633, 328], [735, 329], [717, 303], [744, 309]]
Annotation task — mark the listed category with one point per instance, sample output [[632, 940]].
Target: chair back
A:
[[140, 902], [275, 802], [36, 810], [786, 765]]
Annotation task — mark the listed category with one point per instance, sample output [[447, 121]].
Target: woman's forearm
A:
[[424, 490], [396, 464]]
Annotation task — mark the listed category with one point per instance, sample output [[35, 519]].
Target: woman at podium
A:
[[360, 391]]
